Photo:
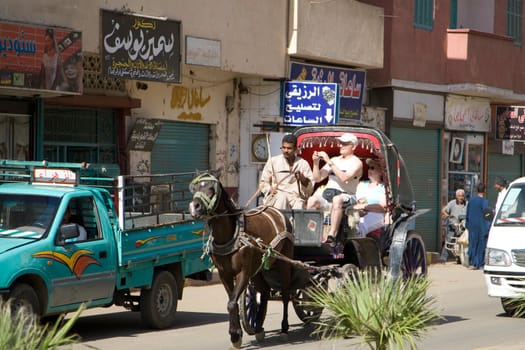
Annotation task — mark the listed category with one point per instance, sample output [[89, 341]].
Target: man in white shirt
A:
[[343, 172], [286, 180]]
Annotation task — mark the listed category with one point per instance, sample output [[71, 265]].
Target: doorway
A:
[[14, 136]]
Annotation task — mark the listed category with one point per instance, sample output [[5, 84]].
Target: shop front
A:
[[506, 146], [467, 123], [37, 62], [416, 130]]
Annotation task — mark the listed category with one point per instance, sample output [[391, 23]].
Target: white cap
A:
[[348, 137]]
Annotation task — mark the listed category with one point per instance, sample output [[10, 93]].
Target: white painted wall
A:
[[255, 36], [337, 31], [242, 26]]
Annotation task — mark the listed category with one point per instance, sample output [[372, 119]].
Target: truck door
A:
[[87, 263]]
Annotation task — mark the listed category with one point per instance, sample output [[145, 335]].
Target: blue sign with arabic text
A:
[[310, 103], [351, 84]]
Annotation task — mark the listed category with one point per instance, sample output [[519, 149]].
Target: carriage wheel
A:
[[414, 262], [301, 303], [250, 305]]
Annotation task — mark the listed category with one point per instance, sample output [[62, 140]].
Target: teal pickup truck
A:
[[70, 234]]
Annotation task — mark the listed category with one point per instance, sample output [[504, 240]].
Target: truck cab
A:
[[35, 241]]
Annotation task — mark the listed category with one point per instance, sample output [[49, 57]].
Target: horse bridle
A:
[[212, 202]]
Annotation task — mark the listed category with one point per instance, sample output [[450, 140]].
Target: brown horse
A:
[[237, 260]]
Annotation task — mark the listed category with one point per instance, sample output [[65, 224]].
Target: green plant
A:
[[377, 311], [20, 330], [515, 307]]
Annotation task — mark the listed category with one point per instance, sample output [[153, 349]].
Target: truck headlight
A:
[[497, 257]]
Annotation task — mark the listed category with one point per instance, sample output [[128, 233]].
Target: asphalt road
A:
[[472, 321]]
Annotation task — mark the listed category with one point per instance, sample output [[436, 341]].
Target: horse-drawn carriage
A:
[[245, 242]]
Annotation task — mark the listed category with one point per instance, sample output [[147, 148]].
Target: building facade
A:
[[167, 86], [452, 86]]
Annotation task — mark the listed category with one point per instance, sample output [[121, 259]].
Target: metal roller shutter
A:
[[421, 151], [503, 165], [181, 147]]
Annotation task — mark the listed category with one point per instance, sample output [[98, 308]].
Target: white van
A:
[[505, 254]]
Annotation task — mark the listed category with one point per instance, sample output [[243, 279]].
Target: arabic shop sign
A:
[[144, 134], [140, 48], [510, 123], [309, 103], [351, 85], [40, 58], [467, 113]]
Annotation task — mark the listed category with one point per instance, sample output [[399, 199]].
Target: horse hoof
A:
[[283, 336], [260, 336], [237, 344]]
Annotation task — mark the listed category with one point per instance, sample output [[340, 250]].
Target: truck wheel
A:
[[158, 304], [23, 296]]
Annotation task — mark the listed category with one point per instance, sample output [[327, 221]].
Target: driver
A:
[[82, 234], [286, 180]]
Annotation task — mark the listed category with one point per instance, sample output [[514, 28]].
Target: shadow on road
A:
[[298, 334], [127, 323], [449, 319]]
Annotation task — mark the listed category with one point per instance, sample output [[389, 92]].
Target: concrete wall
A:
[[241, 25], [338, 31]]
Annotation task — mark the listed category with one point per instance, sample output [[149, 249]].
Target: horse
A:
[[237, 260]]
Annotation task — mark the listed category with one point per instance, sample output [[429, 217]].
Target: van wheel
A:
[[23, 296], [158, 305]]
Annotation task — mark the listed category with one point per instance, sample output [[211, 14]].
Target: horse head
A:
[[206, 190]]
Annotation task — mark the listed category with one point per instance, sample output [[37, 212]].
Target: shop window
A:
[[79, 135], [464, 163]]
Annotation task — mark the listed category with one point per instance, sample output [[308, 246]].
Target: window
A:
[[424, 14], [514, 21], [80, 135], [81, 211]]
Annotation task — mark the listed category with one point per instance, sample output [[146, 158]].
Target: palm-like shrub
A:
[[376, 311], [20, 330], [515, 306]]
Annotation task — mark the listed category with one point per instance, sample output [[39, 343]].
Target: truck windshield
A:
[[26, 216], [512, 210]]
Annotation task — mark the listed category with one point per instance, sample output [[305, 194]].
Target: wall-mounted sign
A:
[[203, 52], [467, 114], [351, 85], [140, 48], [510, 123], [507, 147], [40, 58], [144, 134], [309, 103]]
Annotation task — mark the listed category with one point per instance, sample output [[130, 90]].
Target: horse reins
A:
[[240, 237]]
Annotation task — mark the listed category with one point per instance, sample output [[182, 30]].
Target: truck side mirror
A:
[[68, 231], [488, 214]]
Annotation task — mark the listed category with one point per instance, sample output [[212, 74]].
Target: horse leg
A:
[[286, 281], [233, 309], [262, 287]]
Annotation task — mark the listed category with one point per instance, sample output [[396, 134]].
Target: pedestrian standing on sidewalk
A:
[[478, 227]]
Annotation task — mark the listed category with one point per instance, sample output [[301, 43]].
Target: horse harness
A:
[[242, 238]]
